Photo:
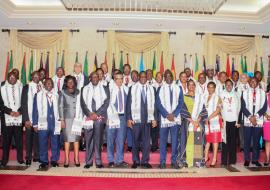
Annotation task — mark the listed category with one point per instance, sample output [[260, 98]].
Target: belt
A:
[[121, 114]]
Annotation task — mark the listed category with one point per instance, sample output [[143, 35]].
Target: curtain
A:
[[39, 43], [134, 44], [235, 47]]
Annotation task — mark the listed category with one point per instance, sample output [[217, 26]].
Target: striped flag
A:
[[127, 59], [10, 66], [161, 66], [85, 65], [113, 64], [47, 66], [196, 66], [63, 60], [228, 67], [245, 64], [31, 66], [121, 64], [173, 68], [41, 66], [262, 68], [217, 67], [154, 66], [242, 64], [7, 66], [233, 67], [23, 71], [141, 63], [95, 63], [204, 65]]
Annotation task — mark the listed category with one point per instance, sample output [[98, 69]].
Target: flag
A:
[[242, 64], [185, 60], [161, 66], [228, 67], [173, 68], [245, 64], [95, 63], [47, 66], [41, 61], [154, 66], [23, 71], [256, 64], [63, 60], [10, 66], [57, 60], [127, 59], [196, 67], [268, 77], [233, 67], [77, 57], [262, 68], [137, 62], [7, 66], [85, 65], [121, 64], [141, 63], [217, 69], [204, 65], [105, 58], [191, 64], [31, 66], [113, 64]]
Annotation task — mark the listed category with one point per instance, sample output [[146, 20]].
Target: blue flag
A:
[[141, 63]]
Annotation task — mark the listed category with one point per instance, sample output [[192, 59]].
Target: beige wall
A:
[[88, 39]]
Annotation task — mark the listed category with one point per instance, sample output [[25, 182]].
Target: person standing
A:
[[10, 101], [266, 132], [46, 123], [58, 79], [140, 117], [169, 103]]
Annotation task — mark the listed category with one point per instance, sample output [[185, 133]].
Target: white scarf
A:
[[211, 107], [98, 94], [201, 88], [185, 90], [156, 85], [13, 103], [32, 90], [197, 108], [127, 80], [136, 92], [77, 124], [55, 81], [164, 95], [80, 80], [107, 77], [260, 99], [113, 118], [42, 99]]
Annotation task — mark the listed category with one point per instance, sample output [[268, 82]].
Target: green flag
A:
[[76, 59], [154, 67], [242, 64], [245, 64], [31, 66], [85, 65], [262, 68], [63, 60], [10, 66], [196, 66], [23, 71], [121, 65], [256, 64]]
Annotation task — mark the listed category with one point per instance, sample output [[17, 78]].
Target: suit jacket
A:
[[24, 104]]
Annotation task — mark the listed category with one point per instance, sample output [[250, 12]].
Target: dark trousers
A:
[[8, 132], [141, 137], [182, 140], [93, 142], [252, 134], [32, 149], [154, 137], [228, 155]]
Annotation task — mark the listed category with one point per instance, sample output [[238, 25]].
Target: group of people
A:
[[135, 111]]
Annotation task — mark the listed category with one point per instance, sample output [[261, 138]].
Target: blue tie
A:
[[171, 95], [143, 94]]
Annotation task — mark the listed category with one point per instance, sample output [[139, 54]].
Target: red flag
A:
[[7, 64], [228, 67], [173, 68], [105, 59], [127, 59], [161, 66]]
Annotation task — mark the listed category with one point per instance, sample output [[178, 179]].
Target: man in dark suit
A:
[[140, 116], [28, 94], [94, 102]]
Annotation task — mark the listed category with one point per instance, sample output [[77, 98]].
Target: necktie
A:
[[254, 97], [171, 95], [13, 94], [143, 94], [127, 80], [58, 84], [120, 99]]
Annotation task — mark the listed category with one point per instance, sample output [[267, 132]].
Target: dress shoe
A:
[[35, 160], [111, 165], [162, 166], [66, 165], [77, 164], [21, 162], [87, 166], [256, 163], [246, 163], [122, 165], [134, 165], [99, 166], [175, 166], [43, 166], [54, 164], [146, 166], [266, 163], [28, 162], [154, 149], [212, 165]]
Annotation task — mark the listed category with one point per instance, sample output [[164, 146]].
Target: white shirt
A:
[[230, 106]]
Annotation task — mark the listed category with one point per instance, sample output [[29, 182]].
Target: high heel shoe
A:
[[208, 159], [213, 165], [77, 164], [66, 165]]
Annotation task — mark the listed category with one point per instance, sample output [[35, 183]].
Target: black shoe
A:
[[122, 165], [129, 149], [43, 166], [175, 166], [66, 165], [87, 166], [99, 166], [266, 164], [134, 165], [36, 160], [54, 164], [147, 166], [162, 166], [28, 162], [246, 164], [77, 164], [154, 149], [256, 163], [21, 162], [111, 165]]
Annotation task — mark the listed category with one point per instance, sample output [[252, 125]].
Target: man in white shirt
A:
[[58, 79], [107, 76]]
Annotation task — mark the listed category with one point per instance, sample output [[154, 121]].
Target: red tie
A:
[[254, 97]]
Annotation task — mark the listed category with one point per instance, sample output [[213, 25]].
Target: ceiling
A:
[[234, 16]]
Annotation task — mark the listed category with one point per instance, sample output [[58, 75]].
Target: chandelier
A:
[[148, 6]]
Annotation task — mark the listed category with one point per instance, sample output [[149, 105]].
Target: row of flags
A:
[[230, 64]]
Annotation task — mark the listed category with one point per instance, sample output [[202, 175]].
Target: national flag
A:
[[141, 63], [245, 64], [204, 65], [95, 63], [121, 64], [196, 66], [85, 65], [77, 57], [113, 64], [242, 64], [154, 66], [233, 67], [10, 66], [63, 60], [127, 59], [31, 66], [228, 67], [47, 66], [268, 77], [185, 60], [41, 66], [262, 68], [191, 64], [57, 62], [23, 71], [217, 67], [105, 58], [7, 66], [173, 68], [256, 64], [161, 66]]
